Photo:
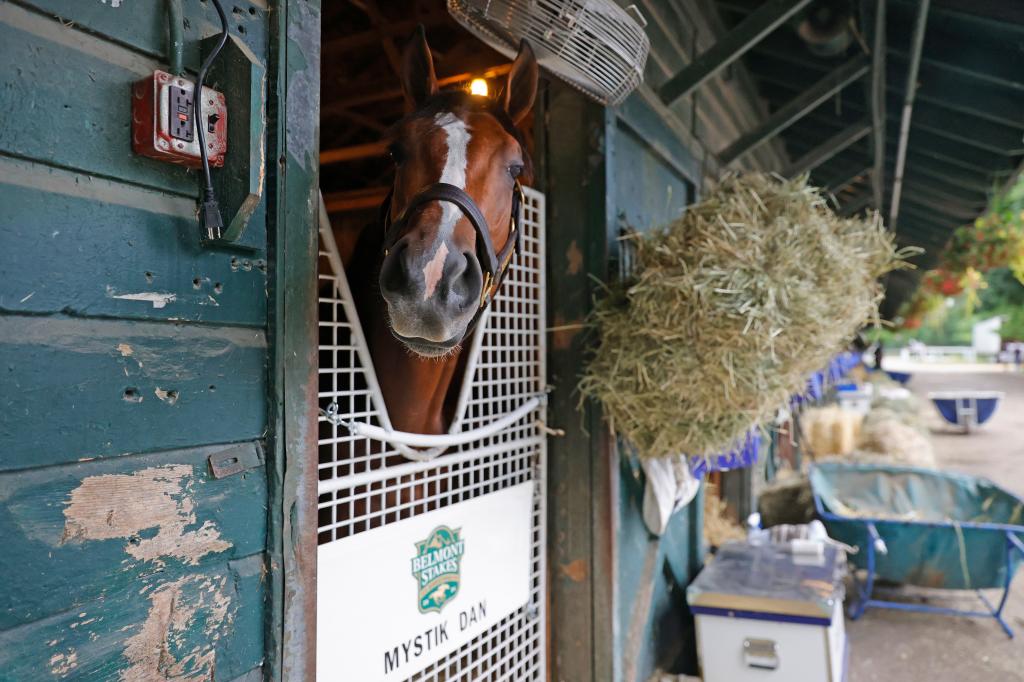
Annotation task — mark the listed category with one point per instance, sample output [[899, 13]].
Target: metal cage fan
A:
[[594, 45]]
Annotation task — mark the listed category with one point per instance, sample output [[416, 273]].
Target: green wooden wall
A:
[[129, 354]]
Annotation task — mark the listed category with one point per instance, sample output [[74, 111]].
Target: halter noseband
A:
[[495, 266]]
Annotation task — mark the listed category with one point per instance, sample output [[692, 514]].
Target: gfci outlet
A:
[[163, 121]]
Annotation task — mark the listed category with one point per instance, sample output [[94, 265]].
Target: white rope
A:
[[422, 440]]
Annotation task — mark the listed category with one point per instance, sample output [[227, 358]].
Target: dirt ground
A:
[[893, 646]]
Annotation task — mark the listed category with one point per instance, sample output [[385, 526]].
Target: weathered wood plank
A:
[[143, 26], [291, 623], [68, 102], [201, 625], [75, 389], [92, 528], [649, 192], [579, 626], [144, 262]]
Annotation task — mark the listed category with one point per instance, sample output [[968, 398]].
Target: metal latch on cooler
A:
[[761, 653]]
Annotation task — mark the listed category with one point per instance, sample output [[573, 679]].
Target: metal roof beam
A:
[[995, 13], [916, 45], [927, 202], [967, 95], [998, 73], [877, 95], [922, 235], [959, 156], [943, 191], [754, 28], [938, 170], [960, 128], [829, 148], [797, 108], [979, 98], [929, 218]]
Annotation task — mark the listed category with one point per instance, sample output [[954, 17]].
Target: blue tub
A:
[[966, 409], [899, 377]]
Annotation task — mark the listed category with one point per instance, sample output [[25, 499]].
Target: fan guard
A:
[[593, 45]]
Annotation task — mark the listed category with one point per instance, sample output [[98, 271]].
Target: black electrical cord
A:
[[209, 213]]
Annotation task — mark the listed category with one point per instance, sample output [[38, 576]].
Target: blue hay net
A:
[[743, 455]]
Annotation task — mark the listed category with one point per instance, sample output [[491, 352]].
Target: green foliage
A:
[[950, 323]]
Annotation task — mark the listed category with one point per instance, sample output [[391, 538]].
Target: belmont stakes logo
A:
[[436, 568]]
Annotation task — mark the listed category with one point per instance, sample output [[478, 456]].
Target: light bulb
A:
[[478, 86]]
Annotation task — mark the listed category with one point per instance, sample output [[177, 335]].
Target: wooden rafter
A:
[[336, 47], [371, 94], [355, 199], [353, 153], [369, 7]]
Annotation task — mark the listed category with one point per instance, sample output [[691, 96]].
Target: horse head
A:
[[458, 161]]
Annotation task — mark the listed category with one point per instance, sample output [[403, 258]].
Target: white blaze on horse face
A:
[[433, 270], [454, 173]]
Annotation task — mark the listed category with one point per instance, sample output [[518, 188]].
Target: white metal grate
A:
[[367, 484]]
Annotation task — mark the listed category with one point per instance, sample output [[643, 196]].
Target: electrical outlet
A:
[[164, 125], [180, 114]]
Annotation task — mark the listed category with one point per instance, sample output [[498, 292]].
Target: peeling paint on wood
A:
[[573, 259], [575, 571], [173, 613], [563, 331], [62, 664], [158, 299], [173, 524], [123, 505], [202, 626]]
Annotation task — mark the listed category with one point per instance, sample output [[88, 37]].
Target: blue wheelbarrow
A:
[[922, 527], [966, 409], [899, 377]]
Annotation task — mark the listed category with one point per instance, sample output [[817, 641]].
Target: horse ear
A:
[[522, 83], [418, 80]]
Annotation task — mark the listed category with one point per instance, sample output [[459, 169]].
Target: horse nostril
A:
[[470, 280], [394, 273]]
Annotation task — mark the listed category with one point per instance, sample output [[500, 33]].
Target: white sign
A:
[[393, 600]]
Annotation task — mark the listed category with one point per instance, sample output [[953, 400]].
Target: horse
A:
[[422, 279]]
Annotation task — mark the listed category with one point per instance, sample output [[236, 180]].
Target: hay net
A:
[[729, 310]]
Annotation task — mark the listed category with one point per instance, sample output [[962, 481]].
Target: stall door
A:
[[134, 366], [432, 567]]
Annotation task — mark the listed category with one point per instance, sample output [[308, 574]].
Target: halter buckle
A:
[[485, 291]]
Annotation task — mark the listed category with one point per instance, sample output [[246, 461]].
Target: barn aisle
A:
[[891, 645]]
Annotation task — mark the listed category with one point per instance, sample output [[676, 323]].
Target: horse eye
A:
[[515, 171], [396, 153]]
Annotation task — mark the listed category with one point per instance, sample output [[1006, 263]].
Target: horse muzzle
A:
[[432, 294]]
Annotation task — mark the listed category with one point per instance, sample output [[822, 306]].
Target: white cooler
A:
[[765, 614]]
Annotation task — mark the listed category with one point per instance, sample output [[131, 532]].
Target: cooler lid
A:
[[769, 579]]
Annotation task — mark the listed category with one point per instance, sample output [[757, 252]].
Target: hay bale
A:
[[719, 527], [731, 307], [886, 436], [830, 430]]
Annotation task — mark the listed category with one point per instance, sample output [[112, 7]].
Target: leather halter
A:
[[494, 266]]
